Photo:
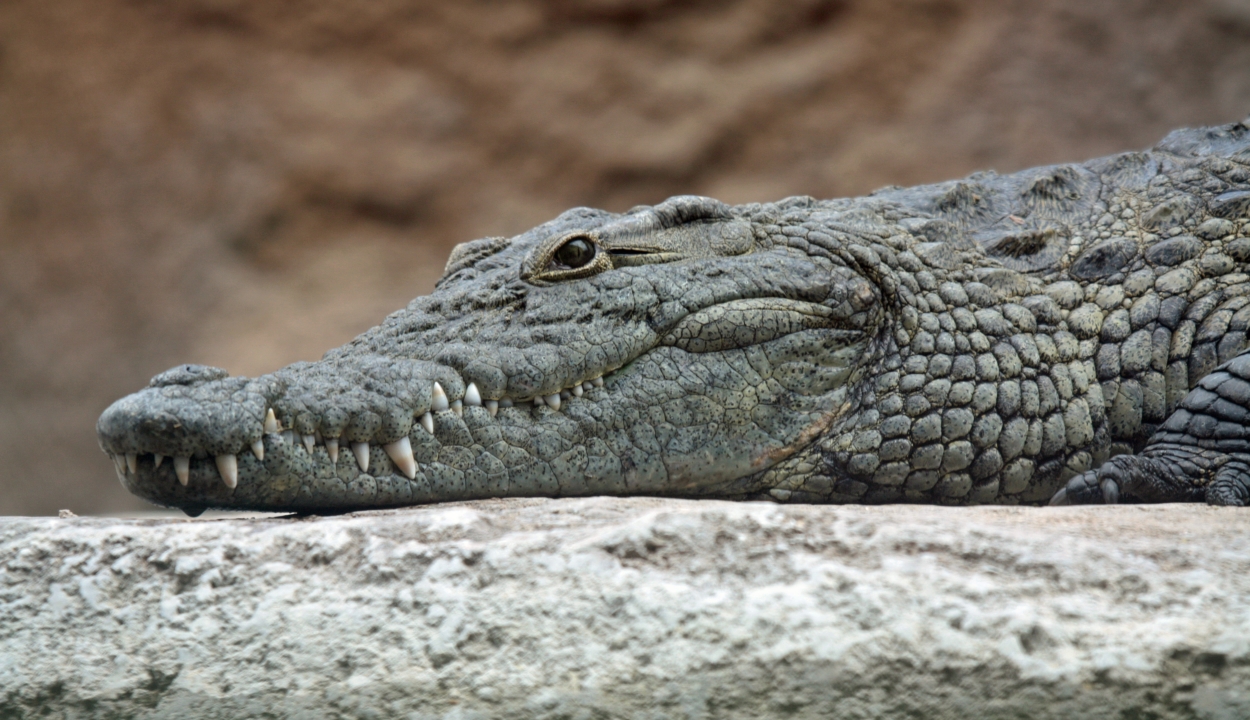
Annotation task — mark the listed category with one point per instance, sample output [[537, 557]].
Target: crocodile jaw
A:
[[632, 431], [678, 378]]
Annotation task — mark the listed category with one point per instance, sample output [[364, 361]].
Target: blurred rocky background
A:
[[246, 183]]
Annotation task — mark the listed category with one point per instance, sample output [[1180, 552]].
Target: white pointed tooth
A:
[[438, 399], [361, 451], [427, 422], [271, 422], [587, 386], [538, 401], [458, 408], [119, 464], [332, 447], [182, 468], [553, 401], [288, 437], [157, 460], [228, 466], [577, 391], [472, 396], [132, 462], [492, 407], [505, 402], [258, 449], [400, 453], [597, 382], [310, 442]]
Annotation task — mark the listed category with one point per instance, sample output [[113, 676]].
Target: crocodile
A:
[[1069, 334]]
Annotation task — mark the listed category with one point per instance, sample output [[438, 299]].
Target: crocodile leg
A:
[[1202, 451]]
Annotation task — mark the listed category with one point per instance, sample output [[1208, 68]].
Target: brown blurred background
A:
[[246, 183]]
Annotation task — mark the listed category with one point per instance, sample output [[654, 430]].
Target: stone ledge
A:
[[632, 608]]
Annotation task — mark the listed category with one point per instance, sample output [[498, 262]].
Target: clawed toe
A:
[[1087, 489], [1110, 492]]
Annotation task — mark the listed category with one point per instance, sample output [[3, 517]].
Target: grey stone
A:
[[632, 608]]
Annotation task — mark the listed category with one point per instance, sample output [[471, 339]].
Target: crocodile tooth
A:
[[119, 464], [538, 401], [427, 422], [505, 402], [271, 423], [182, 468], [587, 386], [332, 447], [132, 462], [400, 453], [361, 451], [577, 391], [258, 449], [472, 396], [553, 401], [288, 437], [309, 443], [228, 466], [457, 407], [157, 459], [438, 400], [492, 407], [597, 382]]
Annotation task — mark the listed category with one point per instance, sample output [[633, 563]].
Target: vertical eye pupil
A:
[[577, 252]]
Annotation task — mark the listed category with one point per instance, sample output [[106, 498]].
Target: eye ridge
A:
[[576, 252]]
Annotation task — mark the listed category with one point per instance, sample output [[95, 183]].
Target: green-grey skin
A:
[[989, 340]]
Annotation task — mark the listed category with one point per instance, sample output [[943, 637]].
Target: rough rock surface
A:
[[632, 608]]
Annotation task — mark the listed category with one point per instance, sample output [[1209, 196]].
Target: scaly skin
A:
[[994, 339]]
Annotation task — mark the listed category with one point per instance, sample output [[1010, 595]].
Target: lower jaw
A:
[[320, 492], [291, 479]]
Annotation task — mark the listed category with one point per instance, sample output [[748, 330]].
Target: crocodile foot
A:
[[1182, 476], [1202, 451]]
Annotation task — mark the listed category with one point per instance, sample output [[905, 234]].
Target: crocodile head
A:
[[680, 349]]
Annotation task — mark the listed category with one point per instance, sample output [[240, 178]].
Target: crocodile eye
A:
[[575, 252]]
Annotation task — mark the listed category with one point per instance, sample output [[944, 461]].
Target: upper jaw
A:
[[325, 410]]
